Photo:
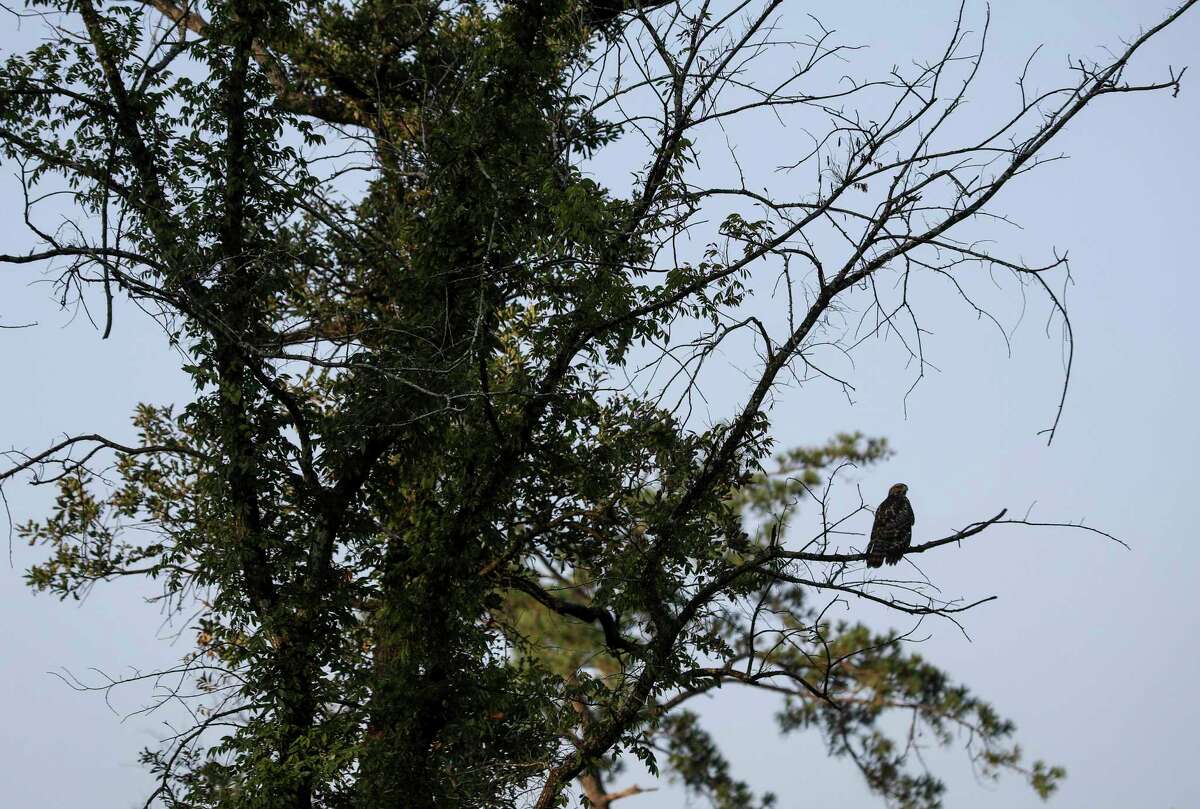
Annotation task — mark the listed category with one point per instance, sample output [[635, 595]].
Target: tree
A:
[[438, 512]]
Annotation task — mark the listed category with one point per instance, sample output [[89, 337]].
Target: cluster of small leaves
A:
[[91, 538]]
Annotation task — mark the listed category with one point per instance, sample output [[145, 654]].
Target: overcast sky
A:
[[1090, 648]]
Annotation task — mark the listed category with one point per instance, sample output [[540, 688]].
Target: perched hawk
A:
[[892, 533]]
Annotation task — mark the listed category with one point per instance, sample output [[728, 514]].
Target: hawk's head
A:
[[899, 490]]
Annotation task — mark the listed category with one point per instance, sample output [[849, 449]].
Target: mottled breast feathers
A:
[[891, 535]]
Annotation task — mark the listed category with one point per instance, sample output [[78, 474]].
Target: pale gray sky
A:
[[1090, 648]]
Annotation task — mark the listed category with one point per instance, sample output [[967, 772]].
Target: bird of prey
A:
[[891, 534]]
